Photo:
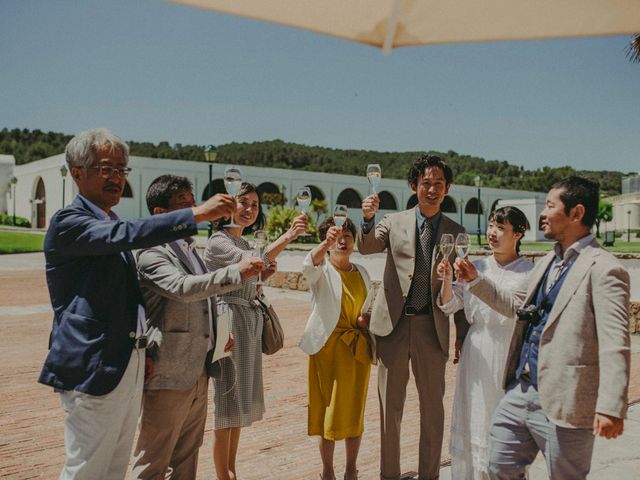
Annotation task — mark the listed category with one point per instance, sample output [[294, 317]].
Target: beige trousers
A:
[[99, 430], [171, 432], [413, 341]]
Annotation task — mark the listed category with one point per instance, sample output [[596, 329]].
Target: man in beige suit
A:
[[178, 291], [567, 373], [408, 325]]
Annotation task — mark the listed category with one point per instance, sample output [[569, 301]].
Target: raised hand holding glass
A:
[[374, 175], [446, 247], [232, 183], [303, 198], [340, 215], [463, 243], [261, 240]]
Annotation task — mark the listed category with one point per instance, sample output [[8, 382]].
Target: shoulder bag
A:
[[272, 332]]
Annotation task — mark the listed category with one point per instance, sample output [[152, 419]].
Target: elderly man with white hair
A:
[[96, 358]]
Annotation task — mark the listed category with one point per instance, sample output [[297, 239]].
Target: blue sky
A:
[[155, 71]]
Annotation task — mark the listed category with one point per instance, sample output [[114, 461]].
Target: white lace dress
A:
[[482, 364]]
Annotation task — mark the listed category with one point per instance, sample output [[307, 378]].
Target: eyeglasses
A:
[[107, 171]]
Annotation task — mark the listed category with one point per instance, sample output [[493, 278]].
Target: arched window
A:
[[413, 201], [40, 190], [387, 202], [448, 205], [216, 186], [267, 187], [316, 193], [40, 201], [472, 206], [494, 205], [350, 198], [127, 192]]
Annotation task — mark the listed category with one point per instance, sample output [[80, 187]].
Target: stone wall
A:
[[296, 281], [290, 280], [634, 318]]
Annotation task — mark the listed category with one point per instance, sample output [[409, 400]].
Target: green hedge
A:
[[20, 221]]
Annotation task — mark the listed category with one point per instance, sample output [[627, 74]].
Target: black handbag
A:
[[272, 332]]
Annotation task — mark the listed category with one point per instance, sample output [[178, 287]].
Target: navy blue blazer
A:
[[95, 294]]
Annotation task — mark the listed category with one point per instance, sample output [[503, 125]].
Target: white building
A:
[[40, 187], [7, 166], [531, 207], [626, 209], [626, 213]]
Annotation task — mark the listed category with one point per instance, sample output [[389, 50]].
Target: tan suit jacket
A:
[[176, 303], [396, 233], [584, 356]]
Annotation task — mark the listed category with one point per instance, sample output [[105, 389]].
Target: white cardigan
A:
[[326, 297]]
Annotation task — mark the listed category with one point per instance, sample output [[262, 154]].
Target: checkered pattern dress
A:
[[238, 391]]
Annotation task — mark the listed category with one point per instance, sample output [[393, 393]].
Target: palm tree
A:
[[605, 214], [633, 49]]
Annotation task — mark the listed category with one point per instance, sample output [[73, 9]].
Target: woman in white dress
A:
[[482, 364]]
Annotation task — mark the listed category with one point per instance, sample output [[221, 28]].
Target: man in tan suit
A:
[[567, 373], [409, 327], [179, 293]]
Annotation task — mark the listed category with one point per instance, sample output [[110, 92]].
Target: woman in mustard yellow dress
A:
[[335, 338]]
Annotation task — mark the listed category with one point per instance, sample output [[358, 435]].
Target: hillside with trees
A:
[[29, 145]]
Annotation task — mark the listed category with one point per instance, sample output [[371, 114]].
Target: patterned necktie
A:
[[422, 293]]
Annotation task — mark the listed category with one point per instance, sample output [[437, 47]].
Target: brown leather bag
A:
[[272, 332]]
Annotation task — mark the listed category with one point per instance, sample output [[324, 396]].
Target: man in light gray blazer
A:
[[178, 292], [567, 374], [409, 327]]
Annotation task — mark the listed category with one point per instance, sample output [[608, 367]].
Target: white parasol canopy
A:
[[399, 23]]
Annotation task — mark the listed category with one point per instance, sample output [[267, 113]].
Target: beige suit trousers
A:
[[413, 341], [171, 432]]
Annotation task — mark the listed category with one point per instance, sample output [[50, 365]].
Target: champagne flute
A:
[[303, 197], [232, 183], [261, 240], [446, 247], [340, 215], [374, 174], [463, 243]]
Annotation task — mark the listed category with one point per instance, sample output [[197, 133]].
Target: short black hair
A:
[[580, 191], [162, 188], [514, 217], [329, 222], [425, 161], [246, 188]]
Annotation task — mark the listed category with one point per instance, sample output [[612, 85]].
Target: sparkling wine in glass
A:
[[374, 174], [445, 246], [303, 197], [261, 240], [463, 243], [232, 183], [340, 215]]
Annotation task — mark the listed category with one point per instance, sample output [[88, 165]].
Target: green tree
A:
[[633, 49], [318, 208], [271, 199], [29, 145], [280, 219], [605, 214]]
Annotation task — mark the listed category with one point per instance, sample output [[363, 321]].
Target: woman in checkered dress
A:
[[238, 388]]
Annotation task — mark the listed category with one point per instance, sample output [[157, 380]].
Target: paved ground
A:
[[31, 441]]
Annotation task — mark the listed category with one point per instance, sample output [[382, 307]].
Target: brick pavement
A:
[[31, 440]]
